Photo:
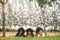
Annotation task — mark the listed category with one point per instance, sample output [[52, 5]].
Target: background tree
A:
[[3, 2], [43, 3]]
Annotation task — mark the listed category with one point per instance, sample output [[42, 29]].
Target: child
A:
[[39, 32], [20, 32], [29, 32]]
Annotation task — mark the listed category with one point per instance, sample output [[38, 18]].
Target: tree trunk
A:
[[45, 31], [3, 16], [43, 22]]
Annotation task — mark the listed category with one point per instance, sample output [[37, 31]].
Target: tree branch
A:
[[1, 1], [6, 1]]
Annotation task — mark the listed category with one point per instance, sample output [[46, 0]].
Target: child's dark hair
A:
[[30, 30], [38, 29], [19, 30]]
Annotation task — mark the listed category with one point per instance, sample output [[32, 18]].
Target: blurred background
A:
[[31, 14]]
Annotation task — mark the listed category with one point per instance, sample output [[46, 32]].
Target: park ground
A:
[[11, 36], [31, 38]]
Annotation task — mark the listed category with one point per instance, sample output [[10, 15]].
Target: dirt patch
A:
[[53, 33], [14, 33]]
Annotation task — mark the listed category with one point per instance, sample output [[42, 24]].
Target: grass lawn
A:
[[32, 38]]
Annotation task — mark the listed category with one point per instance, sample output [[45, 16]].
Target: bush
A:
[[53, 30], [8, 30], [0, 29]]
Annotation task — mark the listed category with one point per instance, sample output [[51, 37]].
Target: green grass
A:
[[33, 38]]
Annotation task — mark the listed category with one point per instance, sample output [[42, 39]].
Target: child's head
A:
[[29, 32], [39, 31], [21, 31]]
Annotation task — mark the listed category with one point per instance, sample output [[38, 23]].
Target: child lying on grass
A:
[[29, 32], [39, 32], [20, 32]]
